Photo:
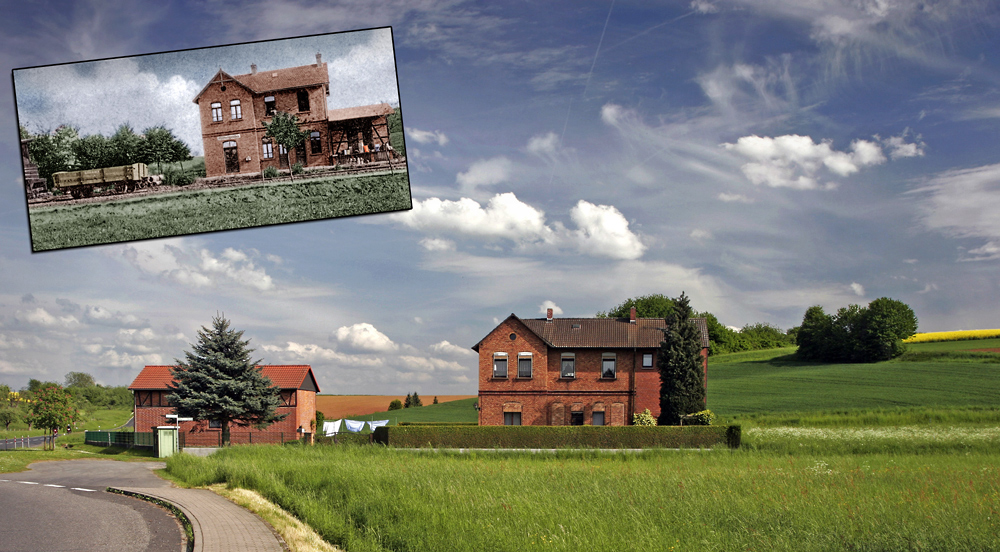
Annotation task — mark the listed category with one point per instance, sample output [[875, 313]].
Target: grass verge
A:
[[297, 535]]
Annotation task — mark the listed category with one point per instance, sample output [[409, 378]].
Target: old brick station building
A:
[[572, 371], [298, 400], [234, 108]]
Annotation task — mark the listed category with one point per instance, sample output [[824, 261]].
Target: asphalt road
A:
[[62, 506], [21, 442]]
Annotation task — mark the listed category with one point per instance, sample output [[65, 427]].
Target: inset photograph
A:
[[211, 139]]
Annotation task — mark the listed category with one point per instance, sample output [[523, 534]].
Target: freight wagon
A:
[[118, 180]]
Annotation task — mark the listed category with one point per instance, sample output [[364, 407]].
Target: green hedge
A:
[[453, 436], [438, 423]]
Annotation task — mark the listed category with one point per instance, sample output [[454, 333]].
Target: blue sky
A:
[[761, 156]]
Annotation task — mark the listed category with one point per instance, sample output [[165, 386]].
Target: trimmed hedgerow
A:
[[438, 423], [452, 436]]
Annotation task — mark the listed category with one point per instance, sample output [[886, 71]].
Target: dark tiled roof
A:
[[602, 332], [282, 376], [282, 79], [278, 79], [374, 110]]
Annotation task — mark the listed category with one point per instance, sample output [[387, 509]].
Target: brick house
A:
[[233, 109], [572, 371], [298, 400]]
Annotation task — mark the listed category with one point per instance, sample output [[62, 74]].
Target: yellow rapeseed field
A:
[[957, 335]]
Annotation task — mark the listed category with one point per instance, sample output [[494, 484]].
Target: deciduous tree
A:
[[79, 379], [284, 129], [219, 381], [51, 408], [655, 305]]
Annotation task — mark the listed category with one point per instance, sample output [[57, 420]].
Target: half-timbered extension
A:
[[298, 402], [572, 371]]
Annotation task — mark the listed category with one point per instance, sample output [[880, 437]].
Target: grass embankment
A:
[[357, 406], [96, 419], [373, 499], [777, 382], [220, 209]]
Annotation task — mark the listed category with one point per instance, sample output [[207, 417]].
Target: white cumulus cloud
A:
[[427, 136], [601, 230], [364, 337], [795, 161], [485, 172], [447, 348], [174, 260], [858, 289]]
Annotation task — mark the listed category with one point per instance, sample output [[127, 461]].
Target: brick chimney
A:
[[319, 59], [253, 68], [631, 315], [548, 315]]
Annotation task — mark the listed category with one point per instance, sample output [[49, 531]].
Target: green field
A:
[[376, 499], [755, 383], [94, 419], [277, 202], [452, 411]]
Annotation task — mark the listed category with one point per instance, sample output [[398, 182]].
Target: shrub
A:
[[644, 418], [705, 417], [320, 418], [174, 177], [270, 171], [396, 405], [297, 168]]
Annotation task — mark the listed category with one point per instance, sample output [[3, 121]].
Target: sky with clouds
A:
[[762, 156]]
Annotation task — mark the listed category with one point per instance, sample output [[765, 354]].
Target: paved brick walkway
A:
[[219, 525]]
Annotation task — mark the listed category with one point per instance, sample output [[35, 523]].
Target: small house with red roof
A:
[[233, 109], [298, 401], [572, 371]]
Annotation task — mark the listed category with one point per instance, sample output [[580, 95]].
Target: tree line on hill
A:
[[65, 150], [721, 339], [854, 334], [49, 405]]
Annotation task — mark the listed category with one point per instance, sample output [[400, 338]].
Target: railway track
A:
[[209, 184]]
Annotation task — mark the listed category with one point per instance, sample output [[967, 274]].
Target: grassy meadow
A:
[[94, 419], [365, 406], [376, 499], [190, 212]]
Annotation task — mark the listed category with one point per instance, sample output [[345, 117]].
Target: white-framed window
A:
[[608, 366], [524, 365], [267, 149], [216, 112], [511, 418], [647, 360], [499, 365], [269, 105], [567, 365], [235, 111]]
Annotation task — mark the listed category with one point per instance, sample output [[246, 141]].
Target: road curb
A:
[[192, 529]]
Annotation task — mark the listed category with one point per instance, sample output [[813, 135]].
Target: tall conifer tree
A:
[[682, 383], [219, 381]]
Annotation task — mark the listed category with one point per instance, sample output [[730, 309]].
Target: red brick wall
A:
[[539, 397], [305, 410]]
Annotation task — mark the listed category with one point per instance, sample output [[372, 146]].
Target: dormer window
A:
[[235, 112], [303, 96], [216, 112], [269, 105]]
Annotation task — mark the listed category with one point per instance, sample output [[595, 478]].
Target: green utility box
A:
[[167, 441]]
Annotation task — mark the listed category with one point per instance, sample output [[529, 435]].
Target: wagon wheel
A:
[[77, 193], [121, 187], [88, 191]]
